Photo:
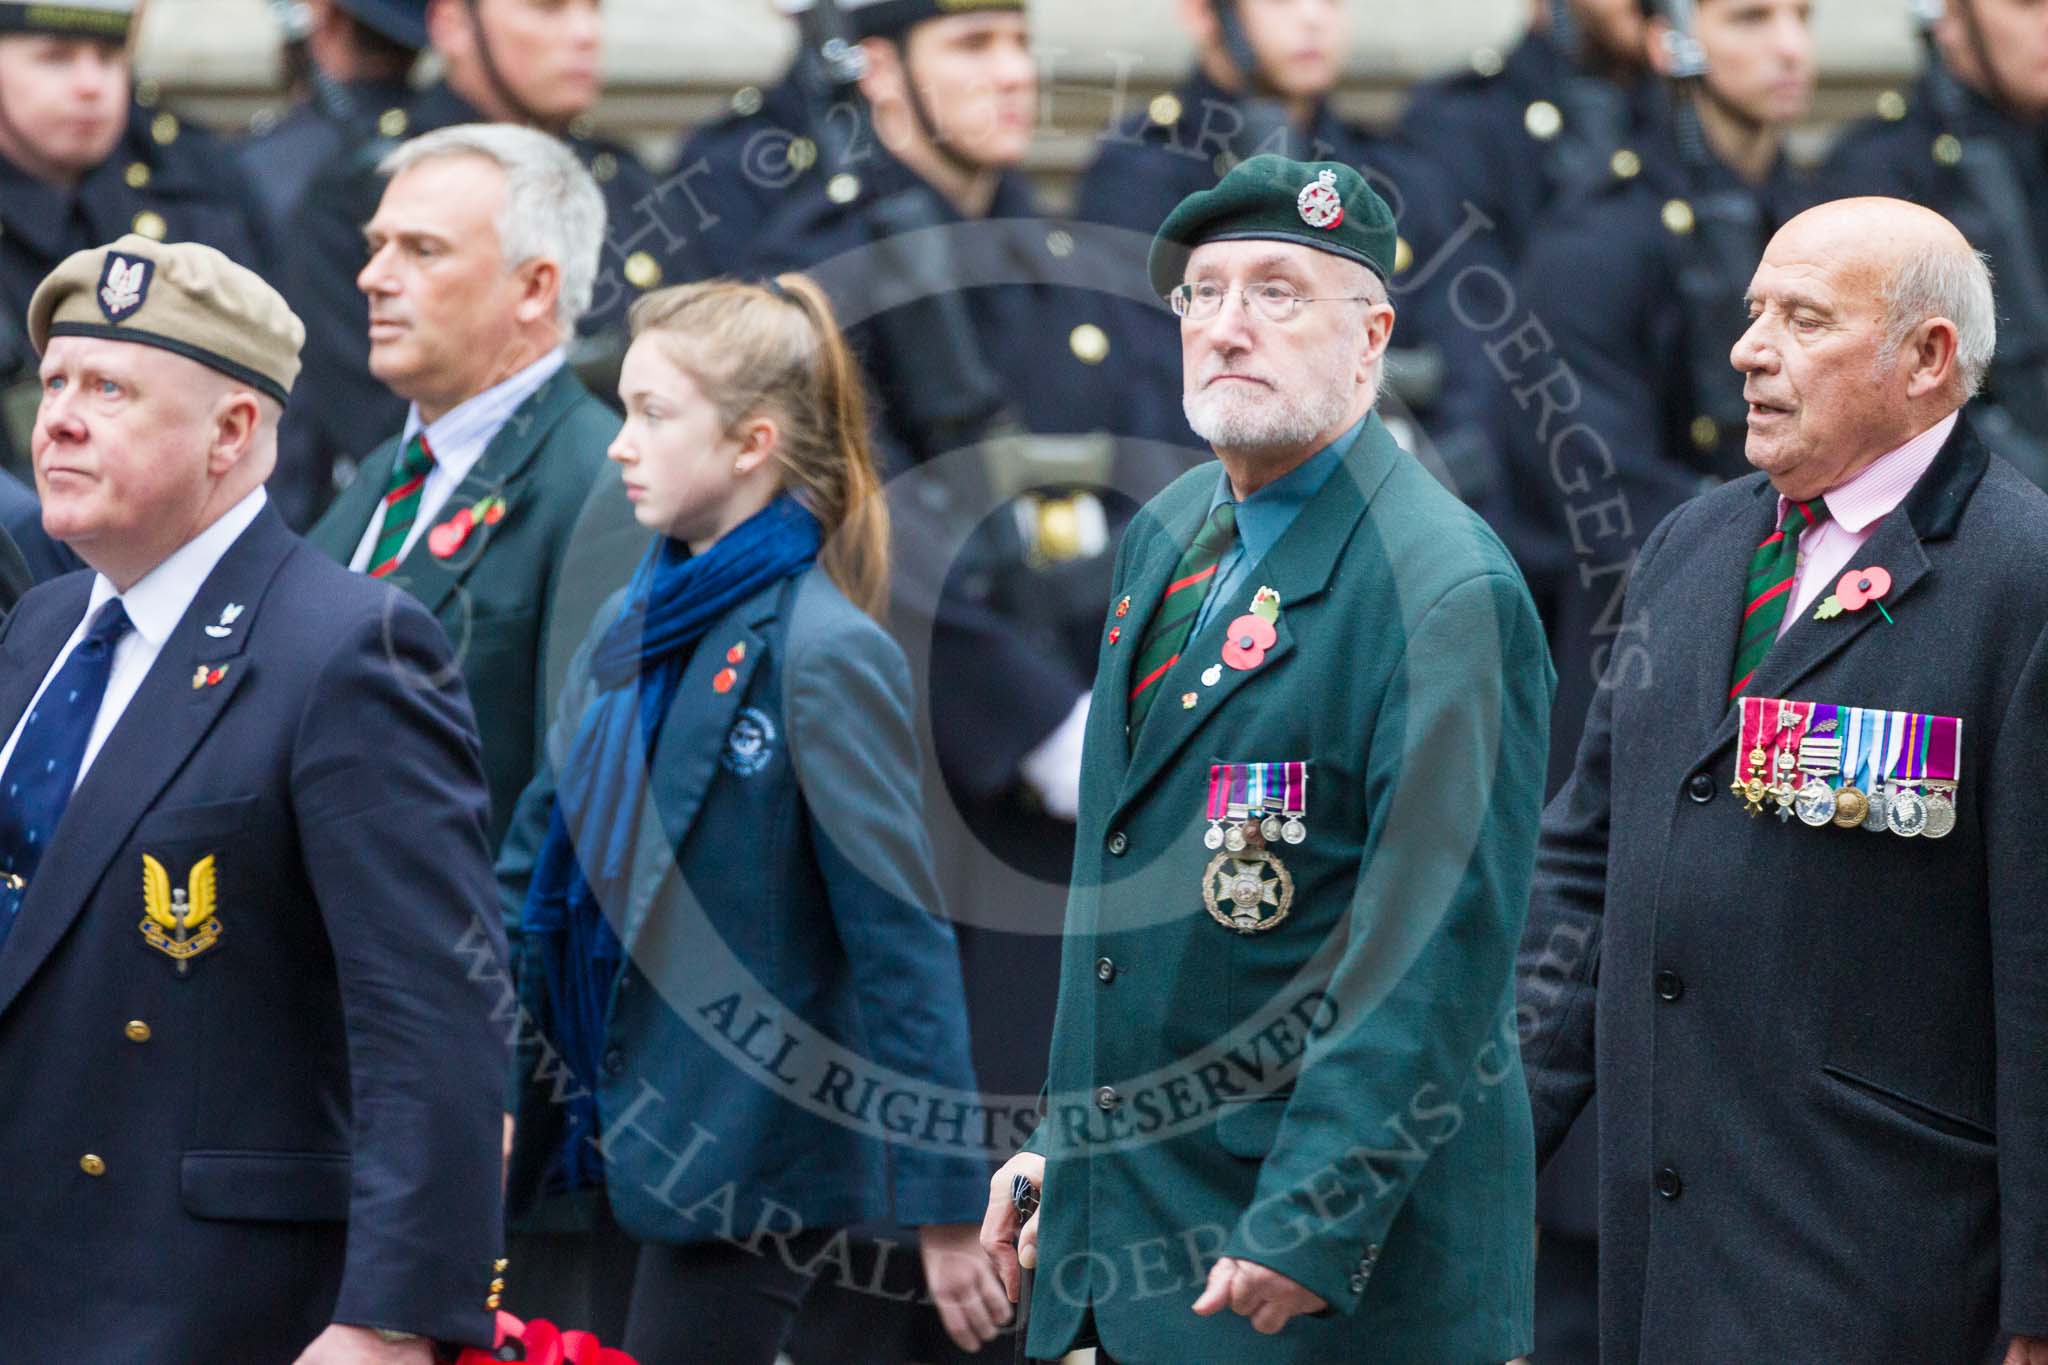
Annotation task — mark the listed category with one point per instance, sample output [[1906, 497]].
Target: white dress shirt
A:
[[458, 440], [155, 606]]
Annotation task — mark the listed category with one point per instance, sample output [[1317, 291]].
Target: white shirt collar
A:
[[160, 599], [462, 434]]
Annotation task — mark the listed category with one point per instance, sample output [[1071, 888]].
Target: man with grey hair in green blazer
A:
[[1285, 1119]]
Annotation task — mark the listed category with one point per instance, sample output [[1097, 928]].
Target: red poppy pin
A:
[[1858, 588], [723, 683], [1253, 633], [447, 539]]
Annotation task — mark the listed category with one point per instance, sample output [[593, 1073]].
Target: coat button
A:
[[614, 1062], [1358, 1282], [1372, 1255], [1701, 788], [1105, 970], [92, 1165], [1107, 1098], [137, 1031], [1670, 985], [1118, 844], [1668, 1183]]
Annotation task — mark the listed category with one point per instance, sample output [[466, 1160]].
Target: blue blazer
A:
[[787, 1043], [303, 1126]]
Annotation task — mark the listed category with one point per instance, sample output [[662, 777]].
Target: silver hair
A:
[[1941, 282], [553, 209]]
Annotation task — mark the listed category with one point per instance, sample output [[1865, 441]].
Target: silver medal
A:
[[1906, 813], [1293, 831], [1233, 838], [1212, 838], [1880, 799], [1270, 828], [1815, 804], [1941, 816]]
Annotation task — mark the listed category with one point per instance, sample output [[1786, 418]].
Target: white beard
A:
[[1241, 417]]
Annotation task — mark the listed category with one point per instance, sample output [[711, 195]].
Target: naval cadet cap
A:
[[893, 18], [402, 21], [106, 19], [183, 298], [1326, 205]]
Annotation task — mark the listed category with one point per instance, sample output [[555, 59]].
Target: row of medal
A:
[[1253, 804], [1850, 766]]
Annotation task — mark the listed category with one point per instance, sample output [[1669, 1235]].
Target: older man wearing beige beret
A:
[[253, 1089]]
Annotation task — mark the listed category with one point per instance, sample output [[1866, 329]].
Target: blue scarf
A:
[[585, 862]]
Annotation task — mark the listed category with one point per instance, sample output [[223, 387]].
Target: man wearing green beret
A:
[[1285, 1118], [247, 924]]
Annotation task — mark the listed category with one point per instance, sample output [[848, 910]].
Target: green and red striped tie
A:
[[401, 504], [1175, 619], [1773, 569]]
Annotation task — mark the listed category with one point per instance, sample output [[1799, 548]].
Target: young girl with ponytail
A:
[[743, 1027]]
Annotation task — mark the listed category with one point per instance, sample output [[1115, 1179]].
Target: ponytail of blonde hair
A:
[[775, 350]]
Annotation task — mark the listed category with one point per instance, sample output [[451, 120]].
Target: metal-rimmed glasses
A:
[[1272, 300]]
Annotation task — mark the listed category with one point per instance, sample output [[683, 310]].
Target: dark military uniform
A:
[[743, 169], [282, 155], [1517, 133], [165, 180], [1959, 154], [1182, 144], [340, 413], [1673, 246], [21, 521]]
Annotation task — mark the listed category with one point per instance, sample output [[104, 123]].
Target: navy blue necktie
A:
[[44, 768]]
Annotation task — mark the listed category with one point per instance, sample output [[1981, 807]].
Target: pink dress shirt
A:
[[1826, 552]]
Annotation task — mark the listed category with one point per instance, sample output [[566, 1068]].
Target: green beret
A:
[[185, 298], [1322, 204], [104, 19]]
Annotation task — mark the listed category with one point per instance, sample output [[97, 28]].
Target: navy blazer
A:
[[303, 1127], [787, 1044], [1823, 1107]]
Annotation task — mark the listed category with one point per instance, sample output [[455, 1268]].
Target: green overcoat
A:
[[1338, 1096]]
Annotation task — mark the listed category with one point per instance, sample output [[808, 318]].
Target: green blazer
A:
[[517, 596], [1339, 1096]]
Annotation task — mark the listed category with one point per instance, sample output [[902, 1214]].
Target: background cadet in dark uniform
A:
[[81, 162], [1516, 133], [1970, 144], [1627, 407], [775, 142], [507, 62], [1262, 82], [348, 61], [963, 304]]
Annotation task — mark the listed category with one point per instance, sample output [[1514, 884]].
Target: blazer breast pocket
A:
[[216, 821]]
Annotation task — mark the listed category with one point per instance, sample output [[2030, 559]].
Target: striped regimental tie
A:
[[1768, 592], [401, 504], [1175, 620]]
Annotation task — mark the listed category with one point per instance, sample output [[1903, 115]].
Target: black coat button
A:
[[614, 1062], [1105, 970], [1107, 1098], [1670, 985], [1701, 788], [1668, 1183], [1118, 843]]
